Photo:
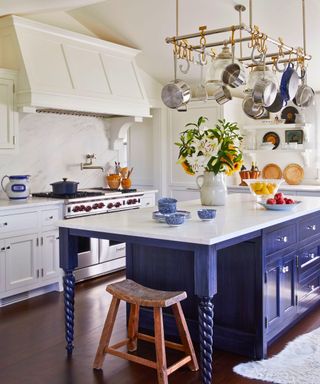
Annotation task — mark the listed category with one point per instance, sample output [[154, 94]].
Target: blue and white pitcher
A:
[[17, 188]]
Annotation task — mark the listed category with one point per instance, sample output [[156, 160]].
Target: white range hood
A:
[[59, 70]]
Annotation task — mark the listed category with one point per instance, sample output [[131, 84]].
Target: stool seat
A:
[[134, 293]]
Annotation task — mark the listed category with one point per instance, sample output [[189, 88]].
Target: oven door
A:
[[88, 252], [111, 250]]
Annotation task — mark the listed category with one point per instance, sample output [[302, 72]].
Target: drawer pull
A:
[[120, 249], [285, 269], [3, 248], [50, 217], [5, 224], [8, 247], [283, 239], [312, 227], [312, 259]]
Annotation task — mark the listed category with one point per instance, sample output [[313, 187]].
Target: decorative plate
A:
[[271, 171], [161, 217], [293, 174], [279, 207], [289, 113], [272, 137]]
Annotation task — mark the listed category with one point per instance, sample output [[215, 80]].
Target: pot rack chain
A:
[[184, 50]]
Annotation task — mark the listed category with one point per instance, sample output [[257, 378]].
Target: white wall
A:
[[53, 146]]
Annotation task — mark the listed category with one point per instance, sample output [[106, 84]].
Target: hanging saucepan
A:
[[64, 187], [177, 93], [277, 105], [234, 74], [289, 83], [305, 94], [252, 110], [264, 92], [222, 94]]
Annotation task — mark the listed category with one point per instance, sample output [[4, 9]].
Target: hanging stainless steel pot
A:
[[252, 110], [289, 83], [222, 94], [175, 94], [264, 92], [304, 96], [234, 74]]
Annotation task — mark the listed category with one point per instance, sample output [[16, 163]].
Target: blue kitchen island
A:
[[249, 274]]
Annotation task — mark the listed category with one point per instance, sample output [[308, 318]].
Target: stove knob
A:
[[101, 205], [95, 206], [118, 204], [88, 208], [82, 208], [129, 202], [110, 205], [76, 208], [134, 201]]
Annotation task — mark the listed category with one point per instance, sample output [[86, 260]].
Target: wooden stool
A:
[[137, 295]]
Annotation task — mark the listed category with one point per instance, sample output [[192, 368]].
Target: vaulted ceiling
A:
[[144, 24]]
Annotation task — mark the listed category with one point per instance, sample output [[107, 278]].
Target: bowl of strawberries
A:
[[280, 203]]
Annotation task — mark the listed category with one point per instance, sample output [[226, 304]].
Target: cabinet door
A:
[[280, 292], [2, 266], [6, 114], [21, 261], [49, 254]]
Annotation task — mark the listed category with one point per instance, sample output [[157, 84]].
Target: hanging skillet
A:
[[305, 94], [289, 83]]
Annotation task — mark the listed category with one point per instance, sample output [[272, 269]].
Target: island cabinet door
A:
[[280, 293]]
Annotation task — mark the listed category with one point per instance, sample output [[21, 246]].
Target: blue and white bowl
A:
[[167, 205], [175, 219], [207, 214]]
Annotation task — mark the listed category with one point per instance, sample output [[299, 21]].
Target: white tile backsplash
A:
[[53, 146]]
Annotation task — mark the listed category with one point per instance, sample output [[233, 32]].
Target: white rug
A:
[[298, 363]]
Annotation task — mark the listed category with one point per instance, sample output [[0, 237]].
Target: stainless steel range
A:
[[96, 256]]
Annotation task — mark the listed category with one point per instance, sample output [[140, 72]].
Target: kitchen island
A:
[[259, 270]]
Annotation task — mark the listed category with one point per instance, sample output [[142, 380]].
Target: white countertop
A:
[[28, 203], [286, 187], [240, 216]]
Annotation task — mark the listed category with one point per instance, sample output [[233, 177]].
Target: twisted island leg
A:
[[206, 338], [69, 284]]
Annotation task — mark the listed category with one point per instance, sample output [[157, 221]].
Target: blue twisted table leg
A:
[[206, 338], [68, 284]]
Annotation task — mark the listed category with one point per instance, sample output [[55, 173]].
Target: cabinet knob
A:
[[8, 247], [312, 227], [5, 224], [3, 248], [312, 287], [285, 269], [312, 255], [50, 217], [283, 239]]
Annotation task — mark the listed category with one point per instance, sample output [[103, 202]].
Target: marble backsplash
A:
[[53, 146]]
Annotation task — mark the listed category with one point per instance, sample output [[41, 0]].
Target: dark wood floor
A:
[[32, 344]]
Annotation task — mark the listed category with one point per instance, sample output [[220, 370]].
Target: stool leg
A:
[[185, 335], [106, 333], [160, 346], [133, 327]]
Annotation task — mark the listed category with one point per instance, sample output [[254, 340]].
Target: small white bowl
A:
[[267, 146]]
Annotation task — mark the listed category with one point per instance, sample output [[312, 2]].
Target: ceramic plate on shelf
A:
[[279, 207], [289, 114], [161, 217], [272, 137], [293, 174], [271, 171]]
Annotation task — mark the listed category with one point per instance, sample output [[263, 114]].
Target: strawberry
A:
[[271, 201]]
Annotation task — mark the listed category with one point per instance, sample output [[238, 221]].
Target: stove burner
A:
[[115, 190], [78, 194]]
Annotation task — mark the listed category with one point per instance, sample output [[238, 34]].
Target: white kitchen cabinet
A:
[[49, 255], [148, 199], [20, 261], [29, 252], [2, 266], [8, 116]]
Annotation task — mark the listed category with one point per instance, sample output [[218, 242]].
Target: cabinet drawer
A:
[[309, 227], [49, 216], [280, 238], [309, 257], [147, 202], [310, 291], [19, 222], [116, 251]]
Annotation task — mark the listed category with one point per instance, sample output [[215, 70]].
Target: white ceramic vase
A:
[[213, 190]]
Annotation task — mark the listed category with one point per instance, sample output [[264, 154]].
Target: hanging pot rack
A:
[[183, 49]]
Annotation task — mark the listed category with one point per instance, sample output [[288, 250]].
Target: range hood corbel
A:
[[66, 72]]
